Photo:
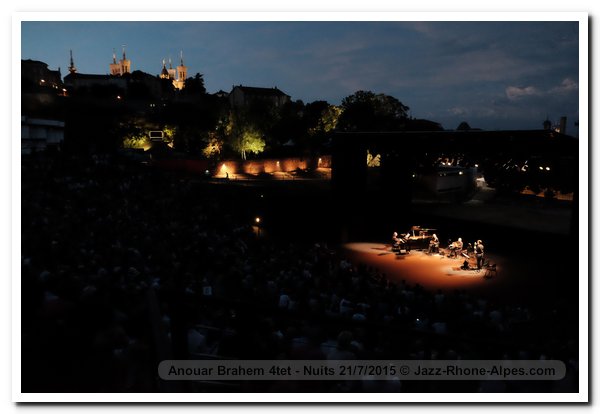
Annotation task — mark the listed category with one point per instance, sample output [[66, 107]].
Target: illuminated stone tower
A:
[[121, 67], [115, 68], [179, 83], [125, 64], [172, 73]]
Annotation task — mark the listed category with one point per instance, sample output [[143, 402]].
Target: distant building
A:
[[178, 76], [246, 95], [37, 73], [80, 81], [40, 134], [221, 94], [121, 67]]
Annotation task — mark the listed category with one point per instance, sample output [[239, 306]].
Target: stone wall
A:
[[271, 165]]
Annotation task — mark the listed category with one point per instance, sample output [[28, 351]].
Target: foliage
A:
[[214, 145], [373, 160], [367, 111], [463, 126], [242, 136], [169, 134], [195, 85], [137, 141], [327, 121]]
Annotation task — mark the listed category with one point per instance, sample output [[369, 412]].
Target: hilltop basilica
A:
[[123, 67]]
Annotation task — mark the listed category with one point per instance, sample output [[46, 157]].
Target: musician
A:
[[406, 240], [456, 247], [395, 241], [434, 244], [479, 248]]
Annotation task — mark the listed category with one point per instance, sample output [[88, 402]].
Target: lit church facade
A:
[[121, 67], [177, 75]]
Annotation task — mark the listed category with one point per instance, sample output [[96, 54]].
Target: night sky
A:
[[494, 75]]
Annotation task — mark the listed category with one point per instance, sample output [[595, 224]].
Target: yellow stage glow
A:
[[257, 220]]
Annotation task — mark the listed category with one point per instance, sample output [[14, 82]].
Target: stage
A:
[[515, 279]]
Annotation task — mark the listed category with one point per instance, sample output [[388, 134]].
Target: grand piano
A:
[[420, 237]]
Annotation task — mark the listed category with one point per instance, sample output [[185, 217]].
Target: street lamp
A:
[[257, 221]]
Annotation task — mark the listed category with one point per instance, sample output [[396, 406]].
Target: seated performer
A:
[[434, 244], [456, 248], [395, 241]]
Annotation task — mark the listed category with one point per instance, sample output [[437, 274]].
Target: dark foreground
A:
[[124, 266]]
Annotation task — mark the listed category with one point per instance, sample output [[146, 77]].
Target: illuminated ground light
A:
[[224, 169], [256, 228]]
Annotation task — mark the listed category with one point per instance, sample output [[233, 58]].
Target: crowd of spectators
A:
[[124, 265]]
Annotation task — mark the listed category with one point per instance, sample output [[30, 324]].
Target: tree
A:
[[135, 136], [250, 140], [367, 111], [242, 136], [214, 145], [195, 85], [463, 126], [330, 118], [289, 125]]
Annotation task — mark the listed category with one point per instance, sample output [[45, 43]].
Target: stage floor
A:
[[516, 279]]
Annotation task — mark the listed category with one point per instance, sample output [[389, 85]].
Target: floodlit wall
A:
[[272, 165]]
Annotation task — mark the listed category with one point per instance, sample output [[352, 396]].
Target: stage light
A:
[[476, 165], [224, 168], [541, 168], [319, 161], [118, 96], [547, 168], [257, 220], [460, 173]]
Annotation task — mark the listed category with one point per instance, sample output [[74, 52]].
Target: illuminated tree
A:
[[373, 160], [136, 141], [169, 134], [328, 120], [249, 141], [242, 136], [214, 145]]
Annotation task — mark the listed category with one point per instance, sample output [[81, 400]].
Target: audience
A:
[[124, 266]]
